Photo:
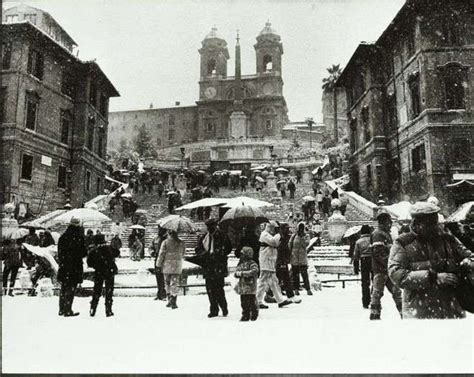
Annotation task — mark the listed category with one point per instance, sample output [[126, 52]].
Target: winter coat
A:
[[268, 251], [11, 255], [247, 272], [298, 245], [283, 251], [215, 265], [381, 242], [32, 239], [362, 247], [102, 257], [156, 246], [250, 240], [409, 264], [291, 186], [71, 251], [116, 243], [171, 256]]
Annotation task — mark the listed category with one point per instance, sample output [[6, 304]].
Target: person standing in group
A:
[[425, 263], [315, 187], [269, 241], [363, 263], [292, 189], [160, 188], [71, 251], [11, 256], [344, 202], [155, 247], [42, 268], [319, 200], [136, 249], [214, 247], [116, 242], [247, 273], [27, 256], [282, 262], [326, 204], [299, 259], [381, 242], [170, 263], [102, 259], [283, 189]]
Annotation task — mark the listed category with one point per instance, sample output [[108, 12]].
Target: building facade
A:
[[341, 111], [410, 105], [53, 116], [235, 118]]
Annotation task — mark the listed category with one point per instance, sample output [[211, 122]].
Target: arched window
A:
[[267, 63], [211, 67], [454, 81]]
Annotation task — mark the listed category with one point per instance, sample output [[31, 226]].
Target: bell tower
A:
[[214, 56], [269, 50]]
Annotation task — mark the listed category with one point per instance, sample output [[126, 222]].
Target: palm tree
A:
[[329, 84]]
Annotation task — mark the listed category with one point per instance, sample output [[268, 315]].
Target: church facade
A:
[[235, 118]]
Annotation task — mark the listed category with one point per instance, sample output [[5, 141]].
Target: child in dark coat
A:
[[247, 272]]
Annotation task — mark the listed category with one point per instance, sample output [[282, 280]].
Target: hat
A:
[[211, 222], [247, 252], [365, 229], [75, 221], [383, 214], [273, 224], [433, 200], [423, 208]]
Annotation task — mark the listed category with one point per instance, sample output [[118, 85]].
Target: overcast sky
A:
[[149, 48]]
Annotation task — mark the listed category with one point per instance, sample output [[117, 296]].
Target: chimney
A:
[[177, 103]]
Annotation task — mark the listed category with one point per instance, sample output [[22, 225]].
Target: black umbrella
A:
[[244, 215]]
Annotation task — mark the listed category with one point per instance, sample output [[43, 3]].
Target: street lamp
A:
[[183, 150], [310, 122]]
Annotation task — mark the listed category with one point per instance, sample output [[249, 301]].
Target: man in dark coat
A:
[[71, 251], [380, 244], [283, 259], [292, 189], [363, 263], [215, 246], [425, 263], [160, 279], [249, 238], [102, 259]]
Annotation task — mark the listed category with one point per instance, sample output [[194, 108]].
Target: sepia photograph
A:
[[237, 186]]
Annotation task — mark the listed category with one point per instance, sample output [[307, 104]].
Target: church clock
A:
[[210, 92], [267, 89]]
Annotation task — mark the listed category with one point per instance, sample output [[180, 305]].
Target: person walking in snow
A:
[[11, 257], [155, 247], [299, 259], [170, 263], [292, 189], [363, 263], [269, 241], [282, 262], [247, 273]]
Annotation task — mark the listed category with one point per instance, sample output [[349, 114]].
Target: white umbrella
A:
[[461, 213], [126, 195], [170, 193], [401, 210], [136, 226], [352, 230], [44, 252], [308, 198], [282, 170], [281, 181], [83, 214], [177, 223], [205, 202], [19, 233], [246, 201], [260, 179], [92, 206]]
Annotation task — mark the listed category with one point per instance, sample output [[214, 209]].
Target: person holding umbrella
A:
[[11, 256], [170, 264], [71, 251], [155, 246], [213, 248]]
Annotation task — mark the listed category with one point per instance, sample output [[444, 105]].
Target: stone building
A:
[[235, 118], [410, 105], [328, 112], [53, 116]]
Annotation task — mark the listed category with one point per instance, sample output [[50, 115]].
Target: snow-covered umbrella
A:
[[260, 179], [92, 205], [308, 198], [461, 213], [205, 202], [352, 230], [281, 181], [141, 211], [19, 233], [257, 171], [243, 177], [171, 193], [138, 227], [201, 172], [126, 195], [246, 201], [83, 214], [45, 253], [178, 224], [281, 170], [244, 215]]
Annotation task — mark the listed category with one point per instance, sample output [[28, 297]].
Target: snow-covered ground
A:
[[327, 332]]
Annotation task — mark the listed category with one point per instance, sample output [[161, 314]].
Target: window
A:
[[450, 31], [454, 79], [369, 176], [26, 166], [222, 155], [65, 126], [31, 17], [211, 67], [90, 134], [392, 111], [11, 18], [62, 176], [171, 134], [418, 158], [366, 124], [268, 124], [6, 55], [171, 120], [267, 63], [353, 134], [103, 104], [98, 186], [67, 83], [93, 94], [100, 142], [31, 112], [3, 97], [209, 127], [461, 152], [414, 86], [88, 180], [35, 64]]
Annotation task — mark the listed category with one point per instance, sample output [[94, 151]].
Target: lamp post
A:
[[183, 150], [270, 147], [310, 122]]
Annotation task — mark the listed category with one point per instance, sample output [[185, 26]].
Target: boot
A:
[[375, 311], [10, 292], [92, 311], [108, 311], [284, 303], [310, 293], [295, 300], [173, 302], [168, 305], [4, 292]]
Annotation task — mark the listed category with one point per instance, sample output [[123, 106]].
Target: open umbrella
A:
[[464, 211], [260, 179], [246, 201], [83, 214], [243, 177], [141, 211], [92, 206], [257, 171], [45, 253], [205, 202], [126, 195], [283, 170], [171, 193], [308, 198], [19, 233], [136, 226], [244, 215], [178, 224], [201, 171], [352, 230], [281, 181]]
